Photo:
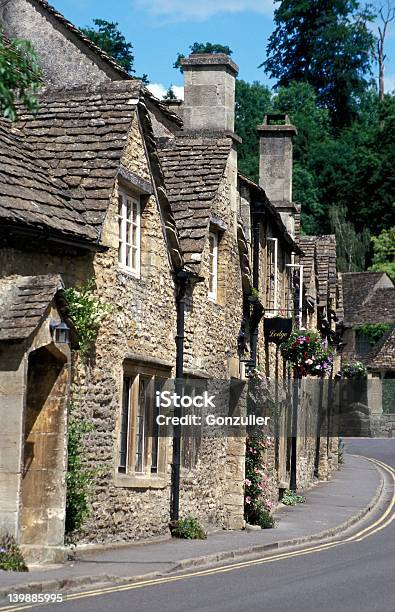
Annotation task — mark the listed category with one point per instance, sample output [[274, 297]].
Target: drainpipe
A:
[[257, 306], [294, 432], [184, 280]]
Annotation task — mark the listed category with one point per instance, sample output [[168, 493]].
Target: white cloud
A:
[[160, 90], [202, 9]]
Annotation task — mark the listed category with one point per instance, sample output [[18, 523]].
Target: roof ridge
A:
[[87, 41]]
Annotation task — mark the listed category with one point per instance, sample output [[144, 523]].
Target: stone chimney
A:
[[209, 92], [275, 165]]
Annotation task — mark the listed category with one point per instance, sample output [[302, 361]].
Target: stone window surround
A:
[[135, 365], [218, 227], [213, 266], [137, 188]]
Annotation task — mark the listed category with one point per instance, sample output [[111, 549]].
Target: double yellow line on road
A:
[[381, 523]]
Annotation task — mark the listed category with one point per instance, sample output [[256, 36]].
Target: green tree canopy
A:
[[326, 43], [107, 36], [384, 252], [170, 95], [202, 48], [20, 76], [253, 101]]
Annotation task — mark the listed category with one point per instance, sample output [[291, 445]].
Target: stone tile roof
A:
[[320, 260], [29, 196], [369, 297], [382, 356], [307, 244], [123, 74], [78, 136], [193, 167], [23, 302], [326, 267], [271, 209]]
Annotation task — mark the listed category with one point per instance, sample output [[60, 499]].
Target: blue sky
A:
[[158, 29]]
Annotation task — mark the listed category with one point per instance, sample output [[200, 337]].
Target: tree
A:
[[202, 48], [170, 95], [253, 101], [387, 15], [326, 43], [384, 252], [20, 76], [107, 36], [352, 247]]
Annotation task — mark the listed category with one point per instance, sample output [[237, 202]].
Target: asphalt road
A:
[[355, 576]]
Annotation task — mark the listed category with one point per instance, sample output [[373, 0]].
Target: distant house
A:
[[369, 301]]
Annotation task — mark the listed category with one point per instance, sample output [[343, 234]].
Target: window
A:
[[362, 344], [213, 266], [141, 450], [129, 232], [272, 276]]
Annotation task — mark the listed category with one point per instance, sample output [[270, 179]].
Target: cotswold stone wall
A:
[[141, 322], [213, 489], [54, 42]]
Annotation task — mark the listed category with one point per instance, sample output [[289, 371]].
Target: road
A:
[[355, 576]]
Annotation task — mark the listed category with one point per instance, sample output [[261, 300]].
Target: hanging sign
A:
[[277, 329]]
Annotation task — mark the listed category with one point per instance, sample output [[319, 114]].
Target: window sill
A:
[[129, 272], [140, 482]]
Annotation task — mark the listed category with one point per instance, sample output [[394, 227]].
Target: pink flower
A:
[[269, 504], [248, 499], [247, 482], [308, 361]]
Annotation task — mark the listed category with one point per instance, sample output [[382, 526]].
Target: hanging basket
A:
[[277, 329]]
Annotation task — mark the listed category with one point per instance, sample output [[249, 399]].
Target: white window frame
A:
[[273, 268], [125, 222], [213, 267]]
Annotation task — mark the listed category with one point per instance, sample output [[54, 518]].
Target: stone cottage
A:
[[107, 183], [369, 300]]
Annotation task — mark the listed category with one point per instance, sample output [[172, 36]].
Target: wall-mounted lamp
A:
[[60, 332]]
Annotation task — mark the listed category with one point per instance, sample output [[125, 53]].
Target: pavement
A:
[[331, 508]]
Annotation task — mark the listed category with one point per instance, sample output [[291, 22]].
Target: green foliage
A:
[[327, 44], [253, 102], [352, 247], [388, 395], [20, 76], [202, 48], [290, 498], [170, 95], [356, 369], [78, 477], [188, 529], [374, 331], [87, 313], [107, 36], [384, 253], [11, 558], [257, 502], [308, 353]]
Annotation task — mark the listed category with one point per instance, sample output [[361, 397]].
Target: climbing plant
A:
[[87, 313], [257, 502], [374, 331], [79, 475]]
